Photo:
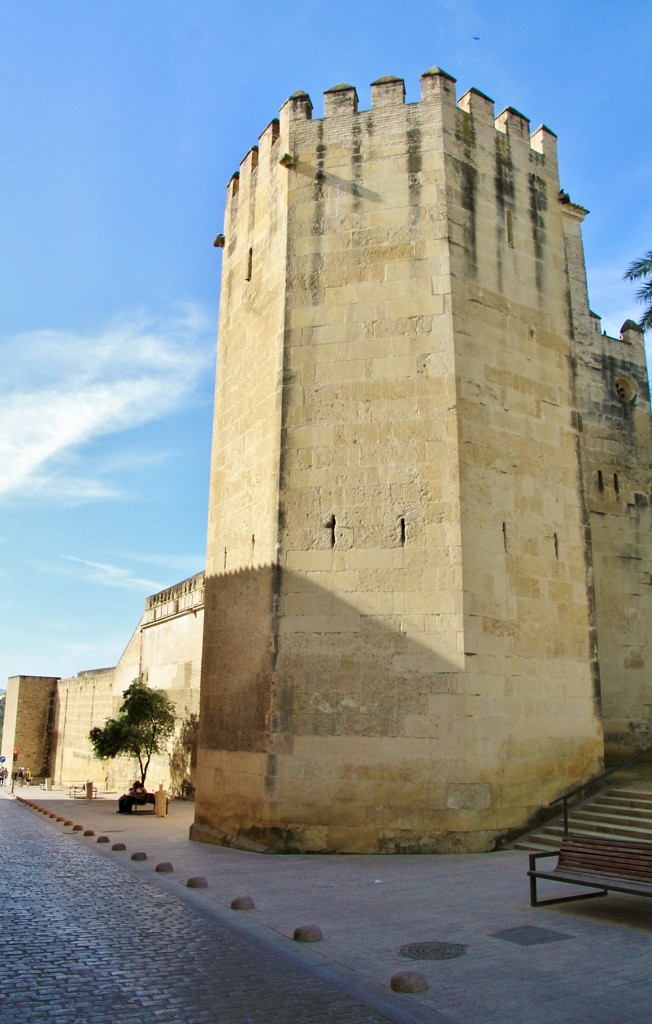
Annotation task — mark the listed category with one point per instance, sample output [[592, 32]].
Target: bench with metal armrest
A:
[[80, 792], [603, 864]]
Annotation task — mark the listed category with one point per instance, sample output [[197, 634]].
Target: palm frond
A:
[[639, 268]]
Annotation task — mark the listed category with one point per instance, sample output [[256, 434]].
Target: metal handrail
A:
[[594, 781]]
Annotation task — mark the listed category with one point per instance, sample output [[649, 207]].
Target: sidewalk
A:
[[579, 962]]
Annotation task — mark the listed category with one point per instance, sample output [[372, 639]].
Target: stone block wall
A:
[[81, 703], [617, 447], [29, 707], [407, 662]]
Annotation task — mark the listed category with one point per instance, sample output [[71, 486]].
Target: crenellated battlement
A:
[[341, 153], [387, 93], [187, 596]]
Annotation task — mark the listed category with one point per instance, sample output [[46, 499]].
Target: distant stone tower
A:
[[400, 636]]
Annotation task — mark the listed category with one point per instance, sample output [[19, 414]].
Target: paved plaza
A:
[[91, 935]]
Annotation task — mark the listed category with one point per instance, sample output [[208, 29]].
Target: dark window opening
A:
[[401, 524], [330, 525], [600, 481], [510, 229], [250, 264], [616, 484]]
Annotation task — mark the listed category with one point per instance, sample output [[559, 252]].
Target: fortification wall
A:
[[28, 722], [390, 681], [617, 447], [49, 719], [81, 703], [171, 648], [613, 401]]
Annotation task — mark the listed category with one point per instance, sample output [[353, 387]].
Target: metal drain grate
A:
[[433, 950], [528, 935]]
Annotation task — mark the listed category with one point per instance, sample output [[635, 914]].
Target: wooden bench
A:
[[142, 805], [143, 808], [603, 864]]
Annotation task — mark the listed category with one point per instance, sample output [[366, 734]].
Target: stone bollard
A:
[[408, 981], [89, 790], [307, 933], [48, 785], [243, 903]]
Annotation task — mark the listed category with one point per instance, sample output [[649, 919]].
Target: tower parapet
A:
[[388, 92]]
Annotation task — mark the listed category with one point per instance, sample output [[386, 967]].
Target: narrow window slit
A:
[[510, 229], [401, 523], [250, 264], [505, 536], [600, 481], [330, 525], [556, 546], [616, 484]]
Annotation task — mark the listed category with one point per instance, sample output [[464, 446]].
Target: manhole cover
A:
[[433, 950], [528, 935]]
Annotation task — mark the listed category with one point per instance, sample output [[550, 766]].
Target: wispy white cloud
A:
[[184, 564], [105, 574], [59, 391]]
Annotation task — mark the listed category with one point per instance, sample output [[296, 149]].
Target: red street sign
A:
[[16, 752]]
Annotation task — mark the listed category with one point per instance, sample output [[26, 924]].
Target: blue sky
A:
[[121, 123]]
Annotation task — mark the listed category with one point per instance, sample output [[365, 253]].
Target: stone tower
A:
[[400, 640]]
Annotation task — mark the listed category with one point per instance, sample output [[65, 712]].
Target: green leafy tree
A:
[[143, 727], [641, 270]]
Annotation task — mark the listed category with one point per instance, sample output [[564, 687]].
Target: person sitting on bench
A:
[[136, 795]]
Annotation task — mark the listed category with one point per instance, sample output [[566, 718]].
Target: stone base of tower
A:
[[426, 813]]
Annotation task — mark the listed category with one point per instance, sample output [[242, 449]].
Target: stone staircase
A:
[[622, 813]]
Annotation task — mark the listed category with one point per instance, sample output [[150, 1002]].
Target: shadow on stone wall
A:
[[348, 720], [183, 758]]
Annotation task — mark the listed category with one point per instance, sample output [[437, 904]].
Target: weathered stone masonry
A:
[[410, 639]]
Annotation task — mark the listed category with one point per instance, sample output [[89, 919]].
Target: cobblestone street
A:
[[92, 933], [87, 943]]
